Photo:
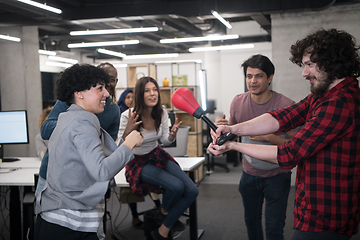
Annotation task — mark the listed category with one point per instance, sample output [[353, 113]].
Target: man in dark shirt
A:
[[326, 150]]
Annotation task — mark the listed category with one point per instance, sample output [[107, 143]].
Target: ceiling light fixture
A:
[[112, 53], [217, 48], [203, 88], [114, 31], [61, 59], [221, 19], [100, 44], [147, 56], [58, 64], [95, 20], [42, 6], [15, 39], [180, 61], [45, 52], [198, 39]]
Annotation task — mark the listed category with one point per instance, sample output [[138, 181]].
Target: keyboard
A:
[[9, 159]]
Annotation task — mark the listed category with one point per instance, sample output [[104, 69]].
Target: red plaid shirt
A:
[[134, 167], [326, 152]]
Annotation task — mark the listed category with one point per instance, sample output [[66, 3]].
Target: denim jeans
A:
[[179, 190], [300, 235], [40, 186], [275, 191]]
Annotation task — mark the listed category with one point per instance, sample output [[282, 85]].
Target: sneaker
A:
[[137, 223], [156, 235], [178, 226], [158, 217]]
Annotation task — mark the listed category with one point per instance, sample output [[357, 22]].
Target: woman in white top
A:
[[153, 169]]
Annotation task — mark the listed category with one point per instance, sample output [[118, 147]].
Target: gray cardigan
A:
[[83, 158]]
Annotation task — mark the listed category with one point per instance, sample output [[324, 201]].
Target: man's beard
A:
[[111, 92], [322, 87]]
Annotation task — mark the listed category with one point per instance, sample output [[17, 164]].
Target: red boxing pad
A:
[[184, 99]]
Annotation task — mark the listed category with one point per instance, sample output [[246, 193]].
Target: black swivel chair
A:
[[29, 210]]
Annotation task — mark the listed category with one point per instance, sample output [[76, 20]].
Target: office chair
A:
[[180, 148], [29, 210]]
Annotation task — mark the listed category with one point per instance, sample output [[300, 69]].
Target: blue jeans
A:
[[275, 191], [40, 186], [179, 190]]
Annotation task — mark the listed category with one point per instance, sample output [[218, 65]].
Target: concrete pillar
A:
[[20, 82]]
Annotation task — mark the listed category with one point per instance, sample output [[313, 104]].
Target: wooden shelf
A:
[[189, 120], [132, 73], [195, 145], [165, 95]]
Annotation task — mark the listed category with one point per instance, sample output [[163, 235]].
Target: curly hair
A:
[[334, 51], [78, 78], [140, 106]]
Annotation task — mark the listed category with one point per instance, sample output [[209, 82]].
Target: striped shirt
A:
[[77, 220]]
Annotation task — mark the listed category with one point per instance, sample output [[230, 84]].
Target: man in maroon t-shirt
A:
[[326, 149], [261, 180]]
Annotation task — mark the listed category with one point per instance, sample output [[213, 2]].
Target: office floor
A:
[[220, 210]]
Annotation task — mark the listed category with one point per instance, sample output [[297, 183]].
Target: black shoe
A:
[[178, 226], [158, 217], [156, 235], [138, 225]]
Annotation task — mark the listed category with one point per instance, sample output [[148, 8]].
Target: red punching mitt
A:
[[184, 100]]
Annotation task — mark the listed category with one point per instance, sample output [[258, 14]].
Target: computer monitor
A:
[[13, 128]]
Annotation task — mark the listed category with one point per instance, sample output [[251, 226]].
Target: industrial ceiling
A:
[[173, 18]]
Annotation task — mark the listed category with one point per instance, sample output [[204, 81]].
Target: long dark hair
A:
[[140, 106]]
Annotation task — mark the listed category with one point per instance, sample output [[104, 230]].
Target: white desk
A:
[[18, 177], [24, 162], [26, 167], [18, 174]]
